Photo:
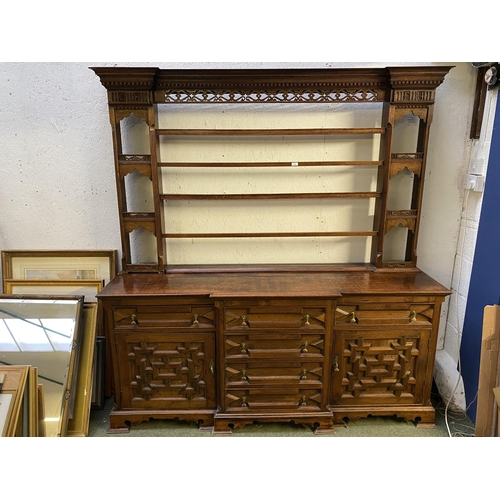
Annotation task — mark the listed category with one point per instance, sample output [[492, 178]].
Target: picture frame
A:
[[86, 288], [99, 373], [43, 332], [59, 265], [13, 400], [78, 424]]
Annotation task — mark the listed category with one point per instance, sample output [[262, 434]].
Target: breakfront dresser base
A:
[[227, 350]]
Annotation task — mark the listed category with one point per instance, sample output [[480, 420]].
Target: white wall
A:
[[57, 187]]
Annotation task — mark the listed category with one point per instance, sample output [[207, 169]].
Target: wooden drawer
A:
[[393, 310], [289, 346], [165, 316], [282, 317], [274, 400], [277, 373]]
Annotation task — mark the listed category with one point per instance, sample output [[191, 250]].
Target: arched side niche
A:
[[135, 161], [398, 242], [405, 182], [134, 132], [400, 191], [142, 244]]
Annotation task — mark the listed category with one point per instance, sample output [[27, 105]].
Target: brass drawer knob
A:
[[244, 349], [244, 375], [244, 402], [133, 319], [195, 320], [352, 315], [243, 321], [413, 316], [303, 374], [304, 347], [303, 401], [306, 320]]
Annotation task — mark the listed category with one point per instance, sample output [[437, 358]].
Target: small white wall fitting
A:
[[474, 182]]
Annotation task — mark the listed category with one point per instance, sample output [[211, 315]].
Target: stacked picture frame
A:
[[19, 402], [47, 273]]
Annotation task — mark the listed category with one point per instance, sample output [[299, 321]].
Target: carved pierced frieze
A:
[[401, 213], [138, 215], [380, 367], [199, 96], [407, 156], [167, 369], [398, 265], [135, 158], [142, 268]]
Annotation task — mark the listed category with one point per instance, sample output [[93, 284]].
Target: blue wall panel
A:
[[485, 279]]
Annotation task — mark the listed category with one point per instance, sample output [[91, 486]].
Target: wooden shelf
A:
[[261, 132], [266, 196], [295, 234], [347, 163]]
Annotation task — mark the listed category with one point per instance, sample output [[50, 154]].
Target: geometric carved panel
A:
[[380, 367], [167, 370]]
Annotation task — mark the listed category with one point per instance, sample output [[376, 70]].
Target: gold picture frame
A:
[[78, 425], [19, 401], [86, 288], [59, 265]]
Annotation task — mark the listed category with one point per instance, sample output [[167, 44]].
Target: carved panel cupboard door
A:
[[166, 371]]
